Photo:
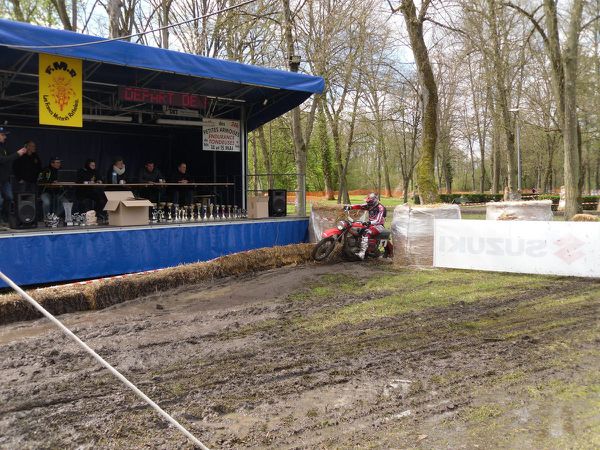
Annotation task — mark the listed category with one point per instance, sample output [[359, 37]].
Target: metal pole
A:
[[519, 169], [98, 358]]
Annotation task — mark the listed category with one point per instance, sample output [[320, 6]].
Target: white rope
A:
[[141, 33], [98, 358]]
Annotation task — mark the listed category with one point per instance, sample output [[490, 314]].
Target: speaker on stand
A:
[[277, 202], [23, 211]]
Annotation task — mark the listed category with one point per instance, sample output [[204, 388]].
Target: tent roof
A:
[[267, 92]]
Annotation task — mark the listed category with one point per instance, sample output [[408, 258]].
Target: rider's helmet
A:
[[372, 200]]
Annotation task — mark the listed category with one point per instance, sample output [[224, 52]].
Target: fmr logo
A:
[[569, 248]]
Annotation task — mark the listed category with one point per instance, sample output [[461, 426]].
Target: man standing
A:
[[6, 161], [27, 169]]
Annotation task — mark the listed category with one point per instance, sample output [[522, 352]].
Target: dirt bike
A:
[[350, 232]]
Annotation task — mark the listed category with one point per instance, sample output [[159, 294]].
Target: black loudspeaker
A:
[[22, 211], [277, 202]]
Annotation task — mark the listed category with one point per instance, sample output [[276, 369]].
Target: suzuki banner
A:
[[550, 248], [60, 91]]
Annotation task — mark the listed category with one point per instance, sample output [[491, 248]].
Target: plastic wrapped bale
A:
[[412, 232], [323, 217], [519, 210]]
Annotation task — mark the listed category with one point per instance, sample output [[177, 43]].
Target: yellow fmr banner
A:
[[61, 99]]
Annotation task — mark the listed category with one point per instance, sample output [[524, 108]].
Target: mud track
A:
[[316, 357]]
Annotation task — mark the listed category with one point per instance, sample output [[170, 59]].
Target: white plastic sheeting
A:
[[323, 217], [519, 210], [412, 231], [550, 248]]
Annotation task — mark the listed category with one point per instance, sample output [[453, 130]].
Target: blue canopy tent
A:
[[267, 93], [253, 95]]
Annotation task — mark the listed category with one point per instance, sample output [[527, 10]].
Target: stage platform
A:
[[47, 255]]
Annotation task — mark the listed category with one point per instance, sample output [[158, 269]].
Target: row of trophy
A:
[[172, 212]]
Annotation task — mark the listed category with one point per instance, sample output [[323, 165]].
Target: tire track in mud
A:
[[250, 375]]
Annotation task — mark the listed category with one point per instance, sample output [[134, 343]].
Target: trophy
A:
[[51, 220], [228, 212], [177, 212], [204, 212], [68, 207], [189, 213], [169, 216], [161, 215], [154, 213], [210, 211], [197, 211], [220, 212]]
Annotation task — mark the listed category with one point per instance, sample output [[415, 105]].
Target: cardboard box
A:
[[258, 207], [124, 209]]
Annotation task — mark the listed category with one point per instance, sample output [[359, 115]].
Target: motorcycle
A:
[[350, 232]]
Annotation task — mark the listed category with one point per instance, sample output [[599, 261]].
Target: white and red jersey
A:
[[376, 213]]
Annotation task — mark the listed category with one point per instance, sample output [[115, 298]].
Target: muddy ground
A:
[[330, 356]]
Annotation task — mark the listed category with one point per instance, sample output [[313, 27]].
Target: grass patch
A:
[[483, 413], [422, 290]]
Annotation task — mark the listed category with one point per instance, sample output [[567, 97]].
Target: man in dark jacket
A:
[[90, 197], [182, 196], [27, 169], [151, 174], [6, 161], [52, 198]]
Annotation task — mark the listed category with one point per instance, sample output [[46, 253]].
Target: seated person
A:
[[151, 174], [90, 197], [52, 198], [116, 174], [181, 196], [26, 169]]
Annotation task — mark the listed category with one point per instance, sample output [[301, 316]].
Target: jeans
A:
[[52, 202], [6, 194]]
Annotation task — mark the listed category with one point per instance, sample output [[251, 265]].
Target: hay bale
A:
[[323, 217], [110, 292], [412, 231], [519, 210], [585, 218]]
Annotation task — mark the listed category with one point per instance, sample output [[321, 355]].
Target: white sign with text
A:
[[220, 135], [550, 248]]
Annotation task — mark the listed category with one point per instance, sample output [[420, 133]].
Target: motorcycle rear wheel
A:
[[323, 249]]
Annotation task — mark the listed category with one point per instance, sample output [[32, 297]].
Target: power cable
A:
[[119, 38]]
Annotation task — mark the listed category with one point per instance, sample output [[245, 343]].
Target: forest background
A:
[[489, 82]]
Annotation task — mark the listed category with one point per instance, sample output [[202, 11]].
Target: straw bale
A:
[[412, 231], [585, 218], [323, 217], [519, 210], [103, 294]]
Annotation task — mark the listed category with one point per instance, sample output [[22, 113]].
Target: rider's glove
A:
[[347, 208], [367, 224]]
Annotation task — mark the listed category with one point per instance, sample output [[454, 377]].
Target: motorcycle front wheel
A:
[[323, 249]]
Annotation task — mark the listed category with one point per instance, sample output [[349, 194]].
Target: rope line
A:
[[98, 358]]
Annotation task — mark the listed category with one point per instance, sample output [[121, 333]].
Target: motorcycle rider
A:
[[377, 213]]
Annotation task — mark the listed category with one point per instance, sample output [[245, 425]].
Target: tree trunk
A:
[[266, 155], [428, 190], [326, 157], [300, 140]]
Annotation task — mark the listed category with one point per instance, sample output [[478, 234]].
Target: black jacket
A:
[[6, 160], [48, 175], [178, 176], [86, 174], [119, 177], [150, 177], [27, 168]]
